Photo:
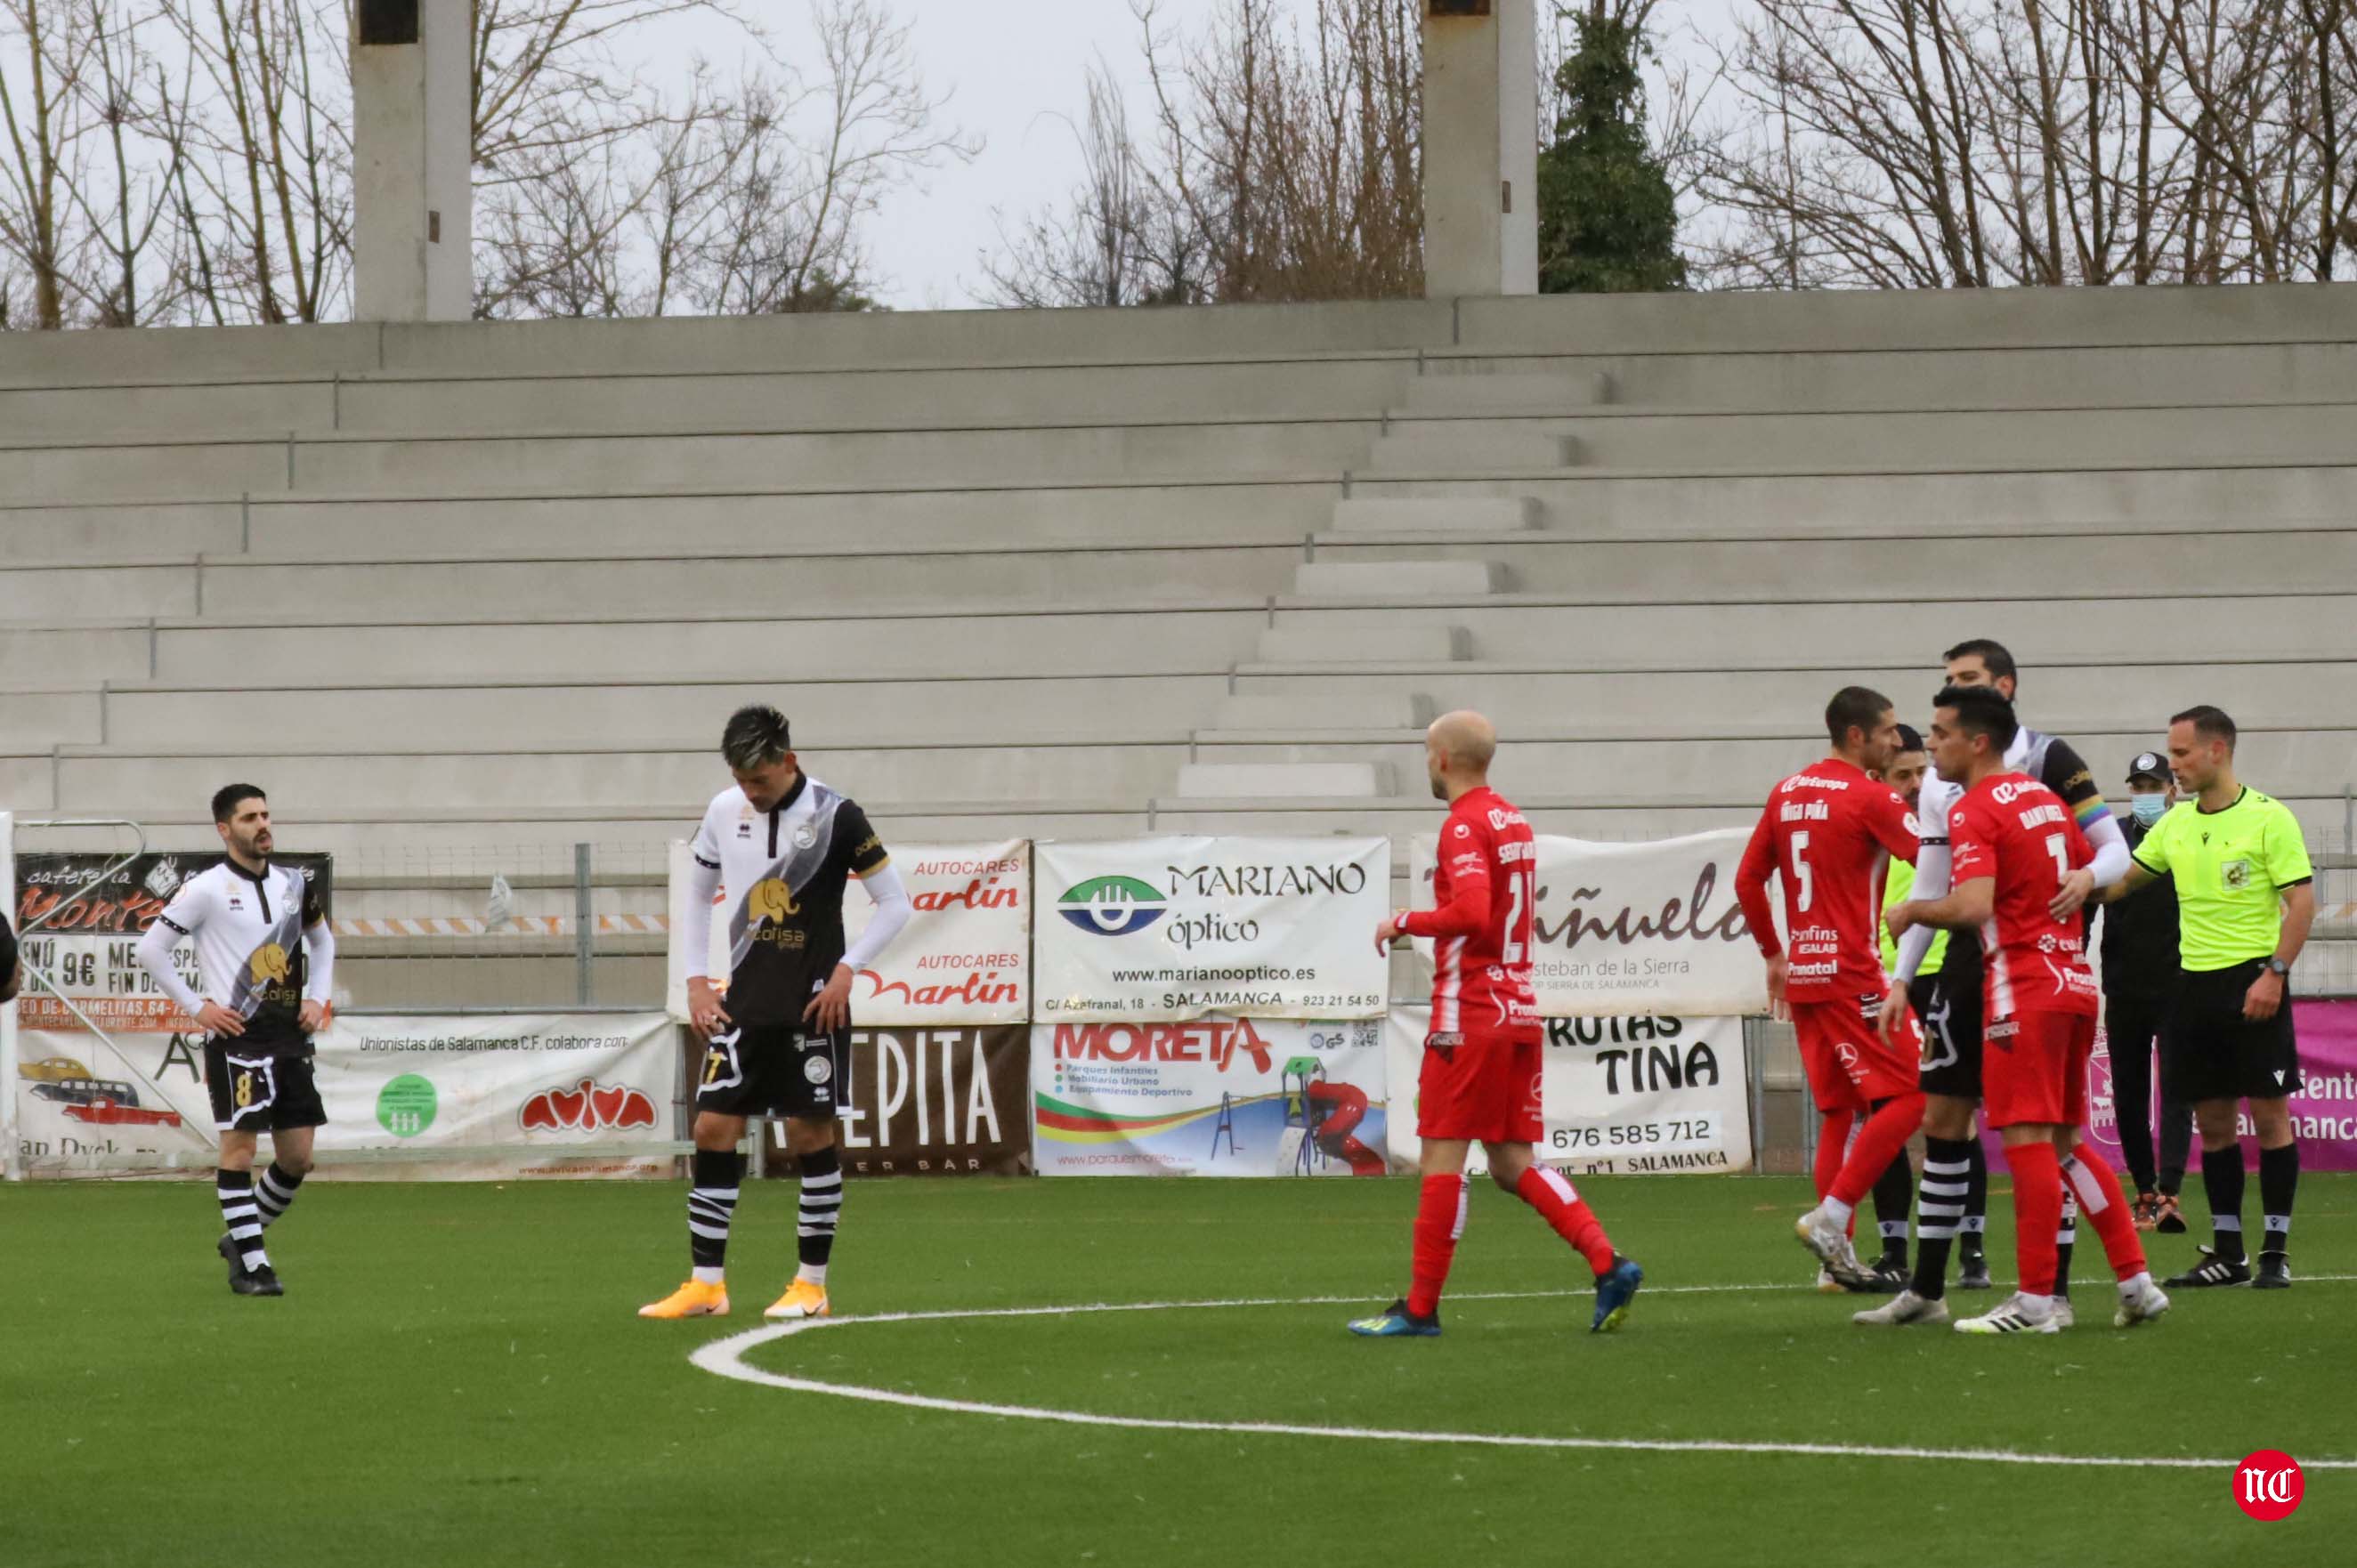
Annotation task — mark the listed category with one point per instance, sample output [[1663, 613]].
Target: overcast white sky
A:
[[1012, 67]]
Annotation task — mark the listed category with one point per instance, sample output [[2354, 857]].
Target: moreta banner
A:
[[965, 957], [1166, 929], [1637, 930], [1211, 1097], [931, 1101], [1627, 1096]]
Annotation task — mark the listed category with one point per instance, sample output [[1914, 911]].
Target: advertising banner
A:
[[471, 1099], [2323, 1114], [137, 1091], [1635, 1096], [485, 1099], [931, 1103], [965, 957], [1163, 930], [1212, 1096], [1634, 929], [91, 921]]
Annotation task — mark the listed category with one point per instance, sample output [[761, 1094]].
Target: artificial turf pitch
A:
[[456, 1376]]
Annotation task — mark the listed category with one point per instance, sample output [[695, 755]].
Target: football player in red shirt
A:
[[1480, 1077], [1828, 834], [2016, 844]]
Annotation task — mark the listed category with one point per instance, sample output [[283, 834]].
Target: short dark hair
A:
[[229, 797], [1990, 652], [757, 736], [2209, 723], [1860, 707], [1981, 710], [1909, 738]]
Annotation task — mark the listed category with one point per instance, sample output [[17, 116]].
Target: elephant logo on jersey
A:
[[771, 900], [268, 964]]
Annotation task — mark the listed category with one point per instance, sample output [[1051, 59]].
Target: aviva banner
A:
[[1211, 1097], [1172, 928]]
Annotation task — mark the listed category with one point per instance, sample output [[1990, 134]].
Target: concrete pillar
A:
[[1481, 147], [413, 151]]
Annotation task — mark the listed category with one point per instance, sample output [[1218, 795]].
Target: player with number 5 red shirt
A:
[[1481, 1061], [1828, 834], [2016, 844]]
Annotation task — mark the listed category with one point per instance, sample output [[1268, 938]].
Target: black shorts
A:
[[2209, 1051], [1950, 1008], [763, 1070], [258, 1092]]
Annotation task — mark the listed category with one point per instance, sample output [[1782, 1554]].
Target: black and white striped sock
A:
[[822, 1208], [274, 1193], [236, 1190], [711, 1205], [2065, 1238], [1939, 1212]]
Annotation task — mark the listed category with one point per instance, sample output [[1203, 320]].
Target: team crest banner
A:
[[1634, 929], [1164, 930]]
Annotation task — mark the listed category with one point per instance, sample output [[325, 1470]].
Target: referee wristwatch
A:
[[2277, 967]]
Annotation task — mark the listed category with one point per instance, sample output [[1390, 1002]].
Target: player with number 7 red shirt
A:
[[2016, 844], [1482, 1059]]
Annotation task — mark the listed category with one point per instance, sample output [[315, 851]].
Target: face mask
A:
[[2148, 808]]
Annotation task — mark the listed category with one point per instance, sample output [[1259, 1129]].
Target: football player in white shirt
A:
[[266, 960], [783, 846]]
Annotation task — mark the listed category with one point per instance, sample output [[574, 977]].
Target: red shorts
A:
[[1849, 1065], [2034, 1069], [1485, 1087]]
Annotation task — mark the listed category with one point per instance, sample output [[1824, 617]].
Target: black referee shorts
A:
[[2209, 1051], [762, 1070]]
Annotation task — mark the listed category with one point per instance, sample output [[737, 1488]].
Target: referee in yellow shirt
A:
[[2246, 897]]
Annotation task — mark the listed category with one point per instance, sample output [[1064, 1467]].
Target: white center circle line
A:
[[724, 1358]]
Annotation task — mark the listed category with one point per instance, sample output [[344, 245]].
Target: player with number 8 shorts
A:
[[1481, 1072]]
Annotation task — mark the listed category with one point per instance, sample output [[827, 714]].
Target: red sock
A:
[[2097, 1188], [2036, 1213], [1439, 1221], [1833, 1146], [1558, 1204], [1879, 1143]]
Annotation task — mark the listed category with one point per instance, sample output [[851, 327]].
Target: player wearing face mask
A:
[[2138, 942]]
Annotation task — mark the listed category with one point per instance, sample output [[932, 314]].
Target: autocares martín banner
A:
[[1210, 1097], [1163, 930]]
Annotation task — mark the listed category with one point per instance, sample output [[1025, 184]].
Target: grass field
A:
[[456, 1377]]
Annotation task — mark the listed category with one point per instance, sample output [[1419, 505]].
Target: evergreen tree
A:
[[1607, 222]]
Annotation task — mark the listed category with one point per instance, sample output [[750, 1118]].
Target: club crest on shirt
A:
[[2237, 875], [802, 836], [771, 900]]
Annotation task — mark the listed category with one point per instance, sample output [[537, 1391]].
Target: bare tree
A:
[[1946, 143], [44, 111], [1120, 237], [745, 201]]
